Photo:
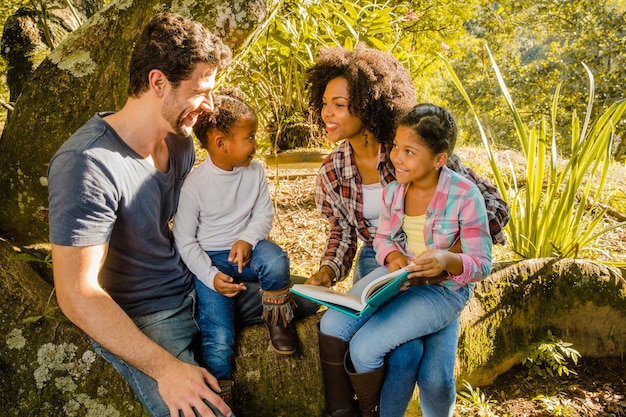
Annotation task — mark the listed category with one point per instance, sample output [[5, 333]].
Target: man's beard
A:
[[177, 122]]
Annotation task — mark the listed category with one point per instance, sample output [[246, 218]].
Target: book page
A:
[[329, 295], [375, 285]]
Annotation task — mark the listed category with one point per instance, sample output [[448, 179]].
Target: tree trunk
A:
[[47, 367], [268, 384], [23, 44], [84, 74]]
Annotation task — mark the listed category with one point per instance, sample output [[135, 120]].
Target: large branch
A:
[[85, 74]]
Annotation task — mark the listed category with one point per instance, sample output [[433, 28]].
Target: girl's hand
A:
[[224, 285], [428, 268], [395, 260]]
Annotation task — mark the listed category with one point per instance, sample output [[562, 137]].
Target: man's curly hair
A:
[[380, 88]]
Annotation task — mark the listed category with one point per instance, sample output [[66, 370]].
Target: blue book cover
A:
[[375, 295]]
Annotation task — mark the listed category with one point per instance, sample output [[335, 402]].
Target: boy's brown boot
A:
[[226, 385], [278, 316]]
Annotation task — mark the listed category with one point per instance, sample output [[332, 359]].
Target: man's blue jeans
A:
[[174, 330]]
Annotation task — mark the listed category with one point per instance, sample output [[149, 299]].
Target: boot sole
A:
[[284, 352]]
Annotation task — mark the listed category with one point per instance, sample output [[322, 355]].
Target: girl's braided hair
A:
[[435, 126]]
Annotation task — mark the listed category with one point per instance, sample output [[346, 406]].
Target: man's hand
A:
[[181, 385], [184, 387], [240, 254], [324, 277], [224, 285]]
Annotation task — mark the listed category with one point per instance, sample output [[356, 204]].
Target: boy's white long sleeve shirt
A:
[[218, 208]]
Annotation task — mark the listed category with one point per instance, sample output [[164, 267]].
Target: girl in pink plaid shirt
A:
[[426, 211]]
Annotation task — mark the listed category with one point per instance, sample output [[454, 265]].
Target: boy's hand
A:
[[240, 254], [224, 285]]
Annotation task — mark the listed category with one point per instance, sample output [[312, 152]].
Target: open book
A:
[[377, 293]]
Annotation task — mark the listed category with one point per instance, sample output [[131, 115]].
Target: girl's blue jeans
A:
[[428, 360], [269, 266]]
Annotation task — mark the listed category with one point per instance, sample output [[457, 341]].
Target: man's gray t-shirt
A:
[[100, 191]]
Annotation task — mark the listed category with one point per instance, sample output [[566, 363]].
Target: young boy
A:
[[224, 216]]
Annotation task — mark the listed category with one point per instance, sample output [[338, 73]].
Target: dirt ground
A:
[[597, 389]]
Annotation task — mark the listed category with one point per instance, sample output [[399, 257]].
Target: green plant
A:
[[49, 312], [36, 257], [550, 356], [555, 212], [556, 406], [476, 400], [544, 41]]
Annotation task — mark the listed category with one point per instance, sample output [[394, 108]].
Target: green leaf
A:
[[32, 319]]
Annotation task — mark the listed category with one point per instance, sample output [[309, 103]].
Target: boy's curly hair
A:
[[380, 88], [229, 108]]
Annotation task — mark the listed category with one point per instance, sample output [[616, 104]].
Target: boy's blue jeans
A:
[[269, 266], [174, 330]]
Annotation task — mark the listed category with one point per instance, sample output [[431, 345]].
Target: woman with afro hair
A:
[[357, 97]]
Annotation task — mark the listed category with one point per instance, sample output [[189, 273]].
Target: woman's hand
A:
[[325, 277]]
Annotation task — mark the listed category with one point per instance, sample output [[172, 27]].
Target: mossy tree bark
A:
[[23, 44], [47, 367], [85, 74], [581, 302]]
